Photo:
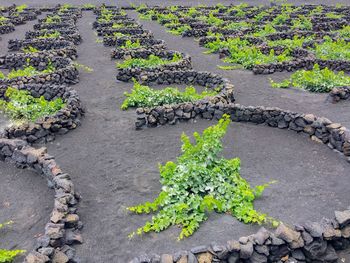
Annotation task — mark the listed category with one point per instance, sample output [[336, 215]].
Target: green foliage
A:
[[213, 20], [315, 80], [22, 106], [248, 57], [52, 19], [296, 42], [7, 256], [302, 23], [54, 34], [131, 44], [201, 181], [344, 32], [3, 20], [237, 25], [30, 49], [106, 16], [151, 62], [65, 8], [147, 15], [333, 15], [21, 8], [333, 50], [27, 71], [179, 30], [280, 19], [144, 96], [266, 30]]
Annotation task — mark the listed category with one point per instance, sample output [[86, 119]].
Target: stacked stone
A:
[[141, 52], [127, 74], [7, 28], [302, 63], [320, 129], [309, 242], [45, 129], [58, 47], [341, 93], [62, 230], [110, 41], [50, 85], [69, 33]]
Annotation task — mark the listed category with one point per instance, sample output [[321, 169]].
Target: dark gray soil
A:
[[114, 166], [27, 201]]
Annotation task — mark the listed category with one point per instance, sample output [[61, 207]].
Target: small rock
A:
[[205, 257], [36, 257], [246, 250], [343, 217]]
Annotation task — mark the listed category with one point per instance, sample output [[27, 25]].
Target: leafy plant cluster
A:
[[199, 182], [52, 19], [54, 34], [129, 44], [151, 62], [144, 96], [21, 8], [243, 53], [7, 256], [20, 105], [3, 20], [30, 49], [333, 50], [315, 80], [27, 71]]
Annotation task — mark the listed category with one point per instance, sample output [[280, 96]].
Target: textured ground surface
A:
[[114, 166]]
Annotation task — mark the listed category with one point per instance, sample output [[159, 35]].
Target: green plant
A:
[[302, 22], [296, 42], [344, 32], [65, 8], [7, 256], [21, 8], [201, 181], [131, 44], [213, 20], [30, 49], [179, 30], [151, 62], [315, 80], [237, 25], [52, 19], [148, 14], [144, 96], [333, 15], [333, 50], [3, 20], [266, 30], [22, 106], [280, 19], [54, 34], [27, 71]]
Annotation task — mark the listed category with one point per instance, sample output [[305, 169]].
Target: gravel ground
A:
[[114, 166]]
